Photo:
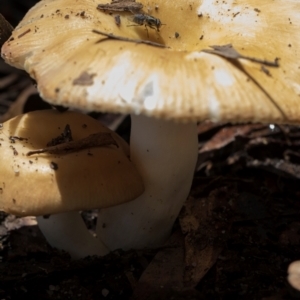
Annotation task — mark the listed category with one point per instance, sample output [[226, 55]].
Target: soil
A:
[[234, 239]]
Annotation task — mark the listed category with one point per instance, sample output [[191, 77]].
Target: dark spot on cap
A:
[[53, 165], [24, 33], [84, 79]]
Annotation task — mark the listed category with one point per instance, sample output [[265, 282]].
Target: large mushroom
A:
[[165, 89]]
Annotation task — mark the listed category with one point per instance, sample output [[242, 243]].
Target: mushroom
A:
[[84, 166], [294, 274], [82, 59]]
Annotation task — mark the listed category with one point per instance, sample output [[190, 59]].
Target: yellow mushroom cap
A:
[[45, 183], [55, 44]]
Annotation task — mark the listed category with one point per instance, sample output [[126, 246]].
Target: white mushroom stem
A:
[[165, 154], [68, 232]]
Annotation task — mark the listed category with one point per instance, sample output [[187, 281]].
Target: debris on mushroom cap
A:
[[56, 46], [46, 183]]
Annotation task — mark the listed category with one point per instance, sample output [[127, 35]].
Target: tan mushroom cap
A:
[[294, 274], [55, 44], [46, 183]]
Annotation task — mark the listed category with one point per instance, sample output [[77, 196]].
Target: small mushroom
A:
[[294, 274], [74, 172], [166, 89]]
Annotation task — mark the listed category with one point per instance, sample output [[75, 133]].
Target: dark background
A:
[[14, 10]]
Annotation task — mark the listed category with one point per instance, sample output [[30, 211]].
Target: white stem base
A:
[[165, 153], [68, 232]]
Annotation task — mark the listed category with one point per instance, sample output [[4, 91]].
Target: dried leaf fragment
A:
[[121, 5], [64, 137], [93, 140], [228, 51]]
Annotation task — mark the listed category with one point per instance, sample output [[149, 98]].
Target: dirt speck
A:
[[53, 166], [84, 79]]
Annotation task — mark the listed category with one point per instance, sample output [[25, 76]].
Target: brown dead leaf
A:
[[164, 275], [227, 135], [207, 128], [205, 222], [225, 142], [277, 166], [5, 30]]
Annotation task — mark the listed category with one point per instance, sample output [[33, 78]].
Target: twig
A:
[[228, 51], [125, 39]]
